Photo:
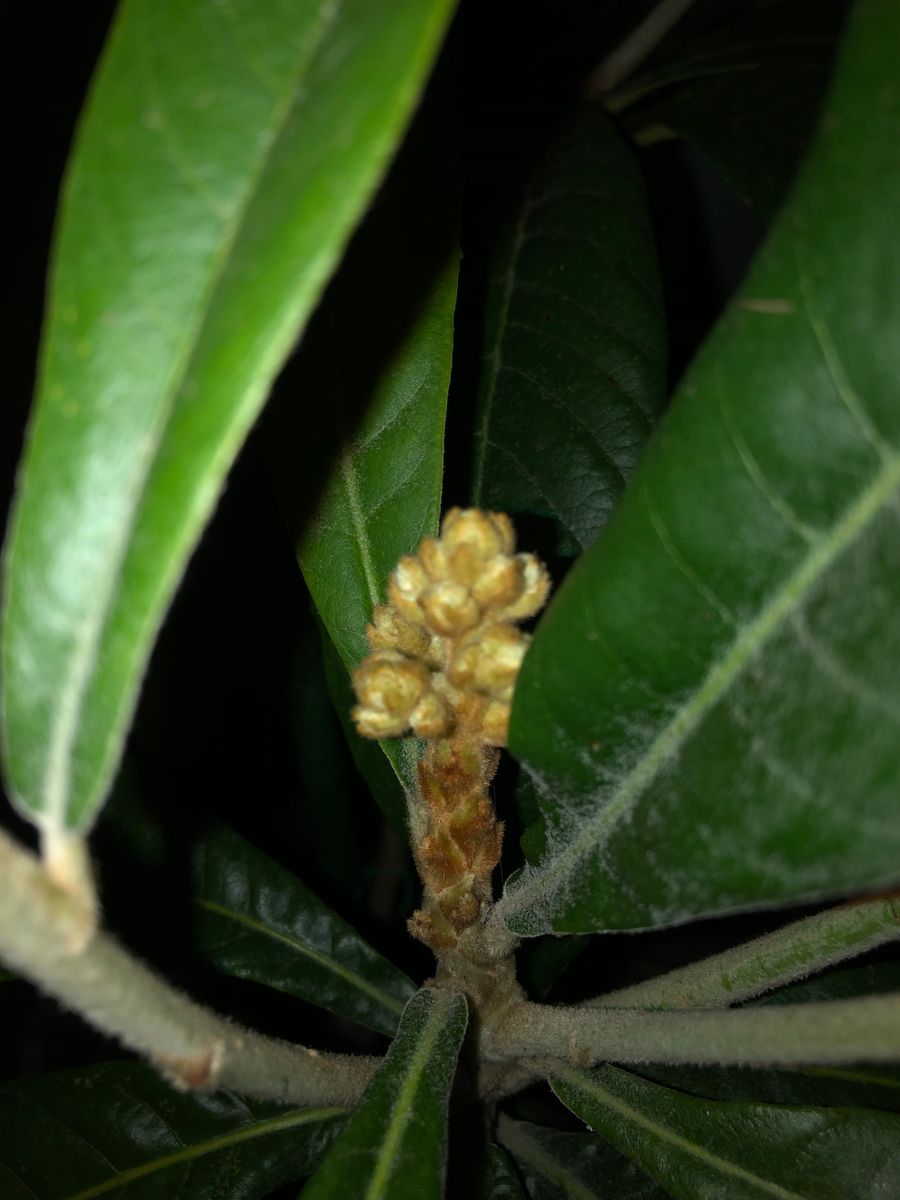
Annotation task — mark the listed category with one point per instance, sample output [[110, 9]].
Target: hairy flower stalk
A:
[[446, 650]]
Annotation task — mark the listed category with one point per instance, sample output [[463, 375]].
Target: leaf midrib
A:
[[56, 790], [393, 1005], [291, 1120], [724, 1166], [721, 675], [386, 1158], [515, 1139]]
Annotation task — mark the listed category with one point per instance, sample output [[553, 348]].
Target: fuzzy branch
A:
[[41, 935], [791, 953], [839, 1031]]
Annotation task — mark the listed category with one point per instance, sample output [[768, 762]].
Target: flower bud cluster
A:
[[448, 634]]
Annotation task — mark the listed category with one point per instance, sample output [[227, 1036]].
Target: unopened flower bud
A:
[[450, 609], [405, 586], [490, 662], [534, 592], [389, 686], [431, 717], [390, 631], [433, 559], [500, 582], [488, 533], [495, 724]]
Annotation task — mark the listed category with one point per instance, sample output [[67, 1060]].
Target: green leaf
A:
[[377, 359], [573, 376], [743, 83], [770, 961], [711, 704], [394, 1144], [257, 921], [702, 1150], [572, 1166], [118, 1131], [224, 156], [500, 1179]]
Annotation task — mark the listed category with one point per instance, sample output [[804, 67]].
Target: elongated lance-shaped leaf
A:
[[117, 1131], [394, 1144], [792, 952], [224, 156], [574, 373], [703, 1150], [572, 1166], [711, 705], [258, 921]]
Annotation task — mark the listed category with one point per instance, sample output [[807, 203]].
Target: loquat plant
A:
[[593, 781]]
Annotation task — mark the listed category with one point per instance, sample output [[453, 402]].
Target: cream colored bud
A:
[[450, 609], [390, 631], [495, 725], [501, 582], [534, 592], [488, 533], [431, 717], [464, 665], [388, 686], [490, 662], [405, 586], [432, 557]]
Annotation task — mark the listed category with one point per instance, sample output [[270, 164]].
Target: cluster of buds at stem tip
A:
[[446, 649]]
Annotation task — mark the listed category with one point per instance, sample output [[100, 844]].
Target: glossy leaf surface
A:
[[573, 1166], [394, 1144], [573, 374], [711, 707], [258, 921], [118, 1131], [224, 156], [703, 1150]]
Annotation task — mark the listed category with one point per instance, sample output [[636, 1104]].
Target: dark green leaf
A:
[[223, 159], [118, 1131], [500, 1179], [572, 1166], [573, 375], [377, 359], [394, 1144], [711, 703], [703, 1150], [743, 83], [791, 952], [258, 921]]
